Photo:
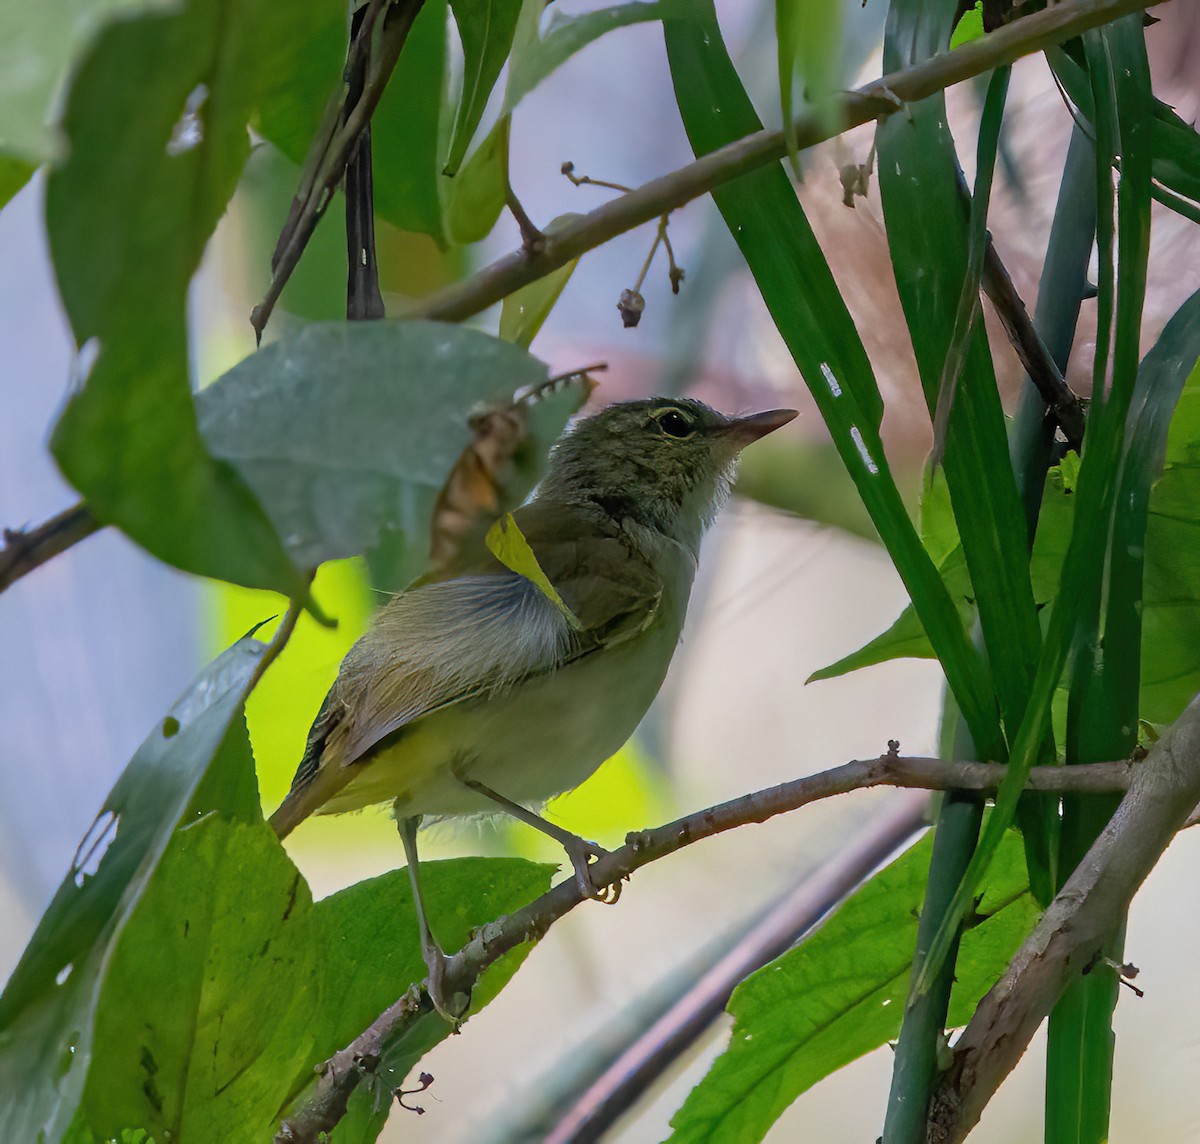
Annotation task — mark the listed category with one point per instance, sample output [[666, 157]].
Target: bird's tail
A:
[[310, 791]]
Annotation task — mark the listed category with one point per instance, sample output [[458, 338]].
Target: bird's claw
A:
[[451, 1006], [582, 854]]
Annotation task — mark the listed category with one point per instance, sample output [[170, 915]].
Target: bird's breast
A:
[[543, 736]]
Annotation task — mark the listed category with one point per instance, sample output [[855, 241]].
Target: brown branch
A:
[[1061, 401], [874, 100], [1165, 788], [27, 548], [670, 1035], [341, 1074], [334, 145]]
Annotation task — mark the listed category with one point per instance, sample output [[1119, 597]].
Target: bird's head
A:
[[664, 462]]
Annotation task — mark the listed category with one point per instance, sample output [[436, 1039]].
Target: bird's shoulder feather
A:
[[482, 631]]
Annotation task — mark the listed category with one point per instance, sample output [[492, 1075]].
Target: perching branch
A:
[[1164, 790], [796, 912], [342, 1073], [26, 549], [1052, 25]]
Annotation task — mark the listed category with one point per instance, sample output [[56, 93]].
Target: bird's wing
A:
[[451, 640], [607, 583]]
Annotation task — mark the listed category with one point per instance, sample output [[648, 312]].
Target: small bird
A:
[[484, 690]]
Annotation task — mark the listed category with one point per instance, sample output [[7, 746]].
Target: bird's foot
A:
[[582, 853], [449, 1004]]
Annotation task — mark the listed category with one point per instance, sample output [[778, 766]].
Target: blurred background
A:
[[97, 643]]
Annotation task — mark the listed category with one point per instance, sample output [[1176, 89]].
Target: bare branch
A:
[[341, 1074], [1062, 402], [27, 548], [338, 140], [1164, 790], [1052, 25]]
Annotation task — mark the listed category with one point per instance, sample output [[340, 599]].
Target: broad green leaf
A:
[[770, 227], [840, 993], [486, 29], [507, 543], [906, 637], [406, 136], [536, 54], [307, 77], [348, 431], [475, 197], [372, 951], [203, 1011], [1170, 674], [14, 174], [49, 1007], [170, 95], [524, 310], [39, 43], [969, 26]]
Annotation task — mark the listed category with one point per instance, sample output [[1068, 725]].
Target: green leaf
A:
[[486, 28], [840, 993], [1079, 593], [524, 310], [406, 136], [475, 197], [770, 227], [906, 637], [372, 950], [14, 174], [49, 1007], [969, 26], [1174, 143], [156, 122], [348, 431], [507, 543], [536, 55], [1170, 665], [199, 1012], [307, 76], [38, 46], [809, 36]]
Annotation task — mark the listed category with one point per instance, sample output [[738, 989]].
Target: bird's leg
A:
[[450, 1006], [579, 850]]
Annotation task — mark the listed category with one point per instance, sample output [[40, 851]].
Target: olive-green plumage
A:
[[475, 691]]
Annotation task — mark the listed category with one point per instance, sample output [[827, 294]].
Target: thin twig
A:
[[342, 1072], [27, 548], [331, 153], [1032, 33], [1063, 404], [279, 640]]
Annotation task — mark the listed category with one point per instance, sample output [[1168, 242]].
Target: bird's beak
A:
[[743, 431]]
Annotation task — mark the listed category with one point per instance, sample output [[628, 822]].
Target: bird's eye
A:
[[674, 424]]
